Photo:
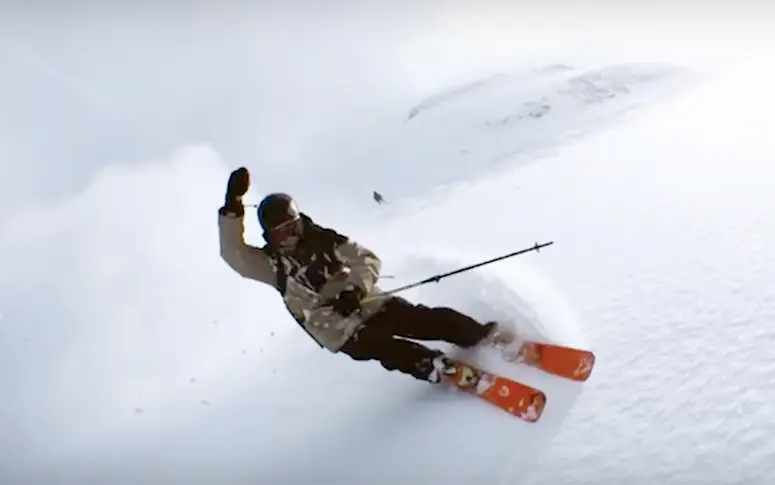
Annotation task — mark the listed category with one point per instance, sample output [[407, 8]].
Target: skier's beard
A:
[[288, 245]]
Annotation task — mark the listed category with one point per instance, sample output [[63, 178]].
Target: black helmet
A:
[[276, 209]]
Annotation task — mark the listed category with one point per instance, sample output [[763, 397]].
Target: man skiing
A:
[[328, 284]]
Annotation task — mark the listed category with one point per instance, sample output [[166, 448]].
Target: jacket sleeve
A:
[[249, 261], [364, 265]]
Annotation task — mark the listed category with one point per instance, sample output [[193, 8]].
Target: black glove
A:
[[238, 185], [347, 302]]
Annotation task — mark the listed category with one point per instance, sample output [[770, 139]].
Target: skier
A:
[[328, 284]]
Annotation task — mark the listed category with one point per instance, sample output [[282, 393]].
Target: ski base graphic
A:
[[566, 362], [520, 400]]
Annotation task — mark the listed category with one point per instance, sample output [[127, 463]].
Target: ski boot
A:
[[499, 335], [448, 372]]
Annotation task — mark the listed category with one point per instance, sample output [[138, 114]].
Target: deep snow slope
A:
[[661, 264], [664, 229], [509, 118], [668, 226]]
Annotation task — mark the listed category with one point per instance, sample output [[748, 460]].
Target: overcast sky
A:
[[120, 123]]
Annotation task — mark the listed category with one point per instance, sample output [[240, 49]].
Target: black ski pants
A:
[[383, 336]]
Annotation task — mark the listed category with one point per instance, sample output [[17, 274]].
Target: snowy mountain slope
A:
[[663, 244], [590, 86], [490, 122], [650, 222], [671, 266]]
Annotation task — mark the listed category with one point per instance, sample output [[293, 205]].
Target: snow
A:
[[512, 117], [130, 354]]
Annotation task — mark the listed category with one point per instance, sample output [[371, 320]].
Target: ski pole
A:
[[435, 279]]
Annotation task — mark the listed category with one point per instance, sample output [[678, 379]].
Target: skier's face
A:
[[286, 236]]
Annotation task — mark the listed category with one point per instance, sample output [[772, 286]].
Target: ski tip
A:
[[536, 409], [586, 365], [529, 413]]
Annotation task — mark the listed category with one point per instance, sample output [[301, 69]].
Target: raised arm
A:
[[248, 261]]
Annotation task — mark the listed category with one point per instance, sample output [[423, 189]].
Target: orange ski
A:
[[567, 362], [520, 400]]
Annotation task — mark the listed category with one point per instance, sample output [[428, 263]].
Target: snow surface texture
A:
[[662, 264], [512, 118]]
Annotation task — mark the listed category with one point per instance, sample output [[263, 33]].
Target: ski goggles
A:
[[285, 232]]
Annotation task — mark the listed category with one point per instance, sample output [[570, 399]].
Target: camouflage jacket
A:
[[323, 264]]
